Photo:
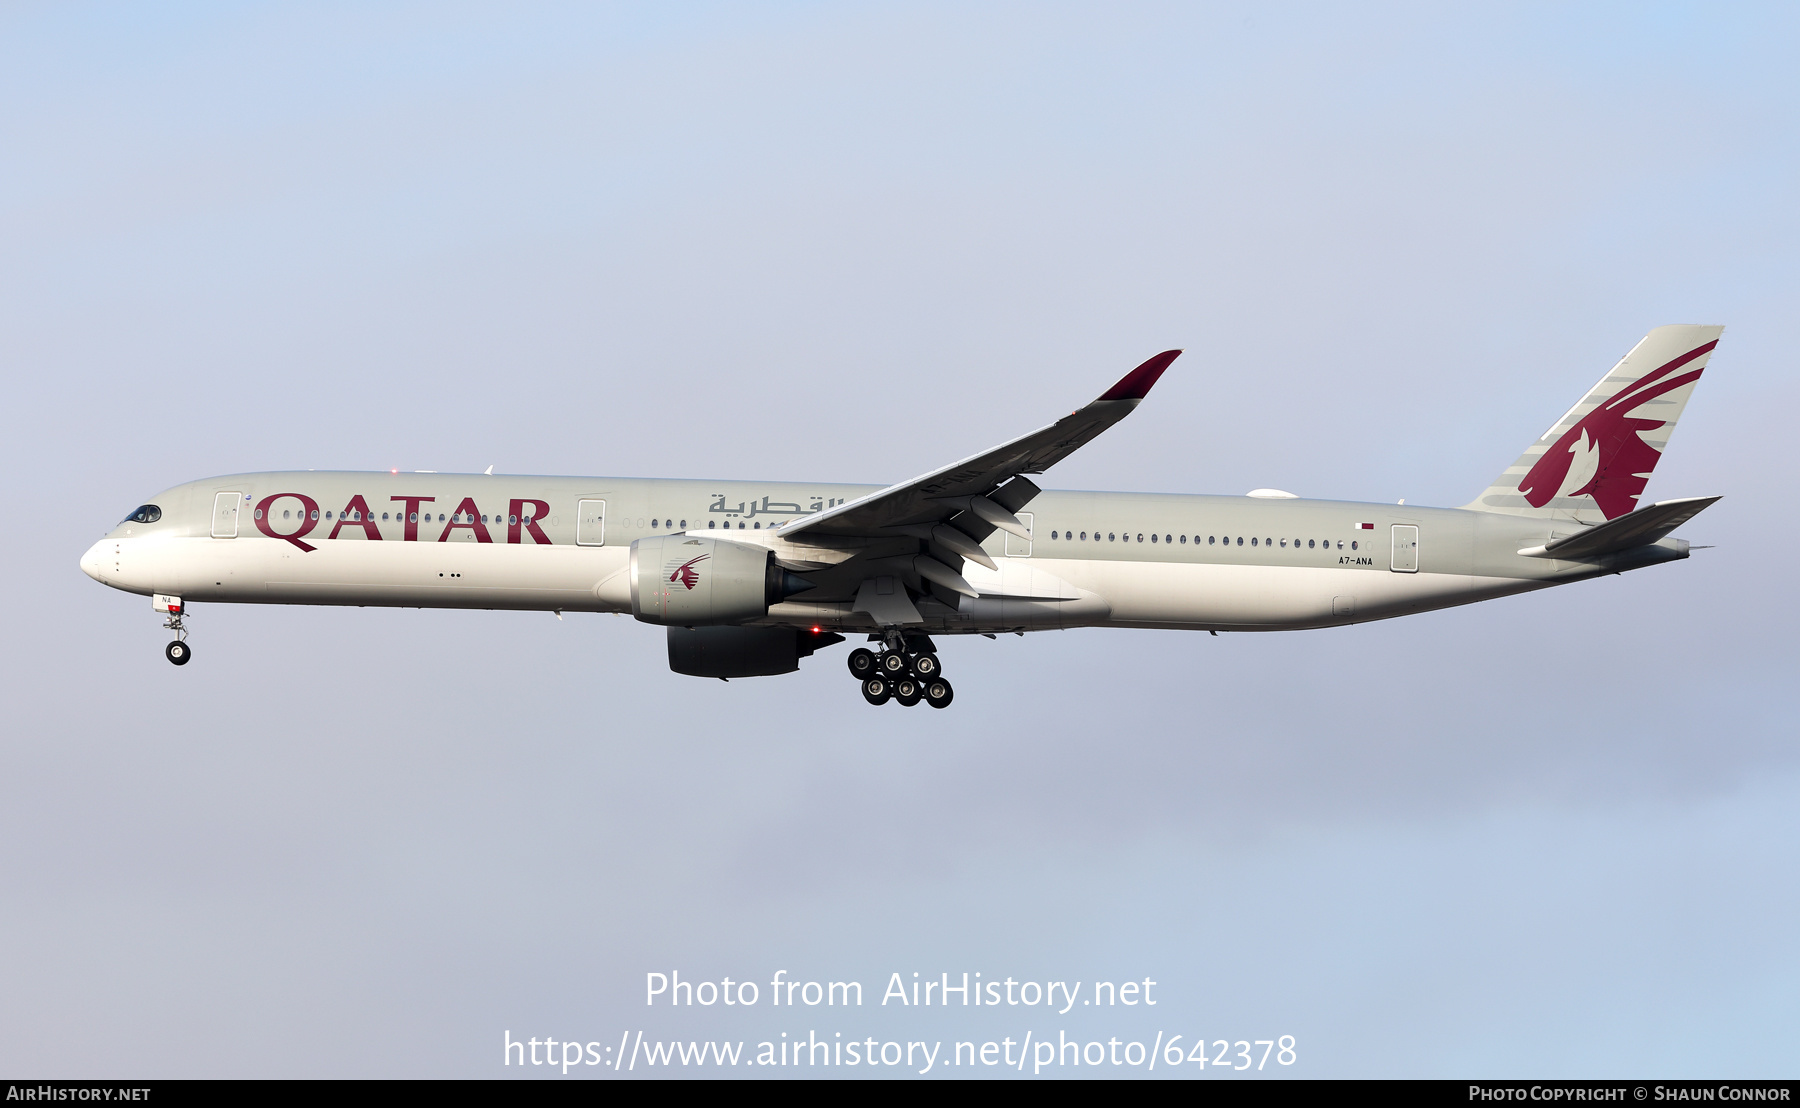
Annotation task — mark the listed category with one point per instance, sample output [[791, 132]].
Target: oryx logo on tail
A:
[[1594, 463], [1604, 455], [686, 574]]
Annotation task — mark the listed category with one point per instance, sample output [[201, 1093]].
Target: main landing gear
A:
[[904, 672]]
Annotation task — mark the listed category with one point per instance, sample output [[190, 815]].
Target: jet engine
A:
[[699, 582], [742, 651]]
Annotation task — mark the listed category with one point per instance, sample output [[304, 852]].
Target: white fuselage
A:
[[563, 544]]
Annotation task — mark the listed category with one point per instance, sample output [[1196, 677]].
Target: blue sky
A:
[[1551, 835]]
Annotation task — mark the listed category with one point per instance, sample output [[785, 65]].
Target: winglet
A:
[[1136, 384]]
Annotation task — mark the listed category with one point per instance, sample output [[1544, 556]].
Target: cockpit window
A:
[[149, 513]]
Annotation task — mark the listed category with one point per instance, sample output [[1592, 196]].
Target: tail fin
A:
[[1593, 463]]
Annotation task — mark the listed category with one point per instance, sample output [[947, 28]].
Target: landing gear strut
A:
[[178, 651], [906, 671]]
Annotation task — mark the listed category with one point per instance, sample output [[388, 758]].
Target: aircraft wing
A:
[[972, 487]]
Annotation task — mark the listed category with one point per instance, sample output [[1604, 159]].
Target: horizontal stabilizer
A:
[[1628, 532]]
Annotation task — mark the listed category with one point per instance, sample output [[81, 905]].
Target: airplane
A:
[[749, 578]]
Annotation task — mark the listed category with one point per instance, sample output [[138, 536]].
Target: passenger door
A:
[[225, 515], [590, 523], [1017, 547], [1406, 548]]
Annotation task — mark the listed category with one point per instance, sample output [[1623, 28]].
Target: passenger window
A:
[[1053, 534], [1252, 542], [1140, 536], [1084, 536], [1209, 540], [684, 525], [1353, 546], [1152, 538], [711, 523], [758, 525], [1184, 540], [315, 513], [1240, 540], [1109, 537]]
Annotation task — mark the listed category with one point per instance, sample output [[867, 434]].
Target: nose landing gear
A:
[[178, 652]]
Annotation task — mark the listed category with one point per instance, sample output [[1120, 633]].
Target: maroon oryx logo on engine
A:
[[687, 574]]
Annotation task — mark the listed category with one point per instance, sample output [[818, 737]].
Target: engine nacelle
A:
[[699, 582], [742, 651]]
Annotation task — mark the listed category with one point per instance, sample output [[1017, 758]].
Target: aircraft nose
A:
[[93, 560]]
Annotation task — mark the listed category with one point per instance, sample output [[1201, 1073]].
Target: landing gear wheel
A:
[[862, 662], [907, 692], [938, 693], [178, 652], [877, 691], [927, 666], [894, 663]]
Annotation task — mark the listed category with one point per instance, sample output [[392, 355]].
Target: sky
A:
[[1555, 835]]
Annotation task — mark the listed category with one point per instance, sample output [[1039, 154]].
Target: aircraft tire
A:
[[894, 663], [877, 691], [178, 652], [927, 666], [938, 693], [908, 691], [862, 663]]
